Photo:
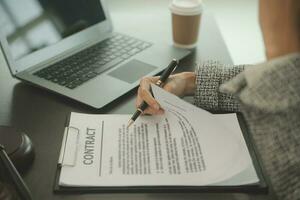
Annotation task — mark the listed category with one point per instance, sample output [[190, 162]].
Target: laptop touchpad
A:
[[132, 71]]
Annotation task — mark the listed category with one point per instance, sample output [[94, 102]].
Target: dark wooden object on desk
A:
[[18, 147]]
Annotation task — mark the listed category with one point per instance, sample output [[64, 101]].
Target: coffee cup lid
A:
[[186, 7]]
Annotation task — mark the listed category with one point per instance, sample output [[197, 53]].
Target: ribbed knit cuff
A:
[[209, 77]]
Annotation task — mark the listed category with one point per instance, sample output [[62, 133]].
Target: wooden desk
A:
[[42, 114]]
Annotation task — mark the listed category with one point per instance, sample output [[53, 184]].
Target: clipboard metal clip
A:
[[69, 147]]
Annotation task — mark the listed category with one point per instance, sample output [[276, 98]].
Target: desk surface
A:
[[42, 114]]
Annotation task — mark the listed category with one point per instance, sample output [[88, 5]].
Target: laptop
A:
[[69, 47]]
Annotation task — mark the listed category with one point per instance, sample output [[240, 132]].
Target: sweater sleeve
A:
[[209, 77]]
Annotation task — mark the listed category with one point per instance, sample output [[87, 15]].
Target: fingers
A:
[[149, 110], [179, 84], [145, 95]]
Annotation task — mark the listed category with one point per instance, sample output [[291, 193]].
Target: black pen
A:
[[165, 75], [14, 175]]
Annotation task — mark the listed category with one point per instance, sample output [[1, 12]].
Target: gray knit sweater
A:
[[268, 95]]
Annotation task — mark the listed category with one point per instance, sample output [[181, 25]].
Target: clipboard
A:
[[260, 187]]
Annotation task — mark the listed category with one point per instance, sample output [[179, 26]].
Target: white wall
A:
[[238, 21]]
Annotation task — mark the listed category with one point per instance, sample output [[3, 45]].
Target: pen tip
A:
[[129, 123]]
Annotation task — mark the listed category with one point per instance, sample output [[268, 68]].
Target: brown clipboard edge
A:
[[258, 188]]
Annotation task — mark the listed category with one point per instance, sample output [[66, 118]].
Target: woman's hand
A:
[[182, 84]]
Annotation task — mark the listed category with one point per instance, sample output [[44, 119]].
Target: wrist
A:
[[190, 83]]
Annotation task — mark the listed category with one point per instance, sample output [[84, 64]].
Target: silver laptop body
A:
[[29, 57]]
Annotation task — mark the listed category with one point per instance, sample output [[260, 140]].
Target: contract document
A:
[[186, 146]]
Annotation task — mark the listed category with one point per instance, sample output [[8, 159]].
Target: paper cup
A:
[[186, 17]]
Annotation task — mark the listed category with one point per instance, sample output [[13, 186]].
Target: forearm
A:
[[209, 77], [279, 21]]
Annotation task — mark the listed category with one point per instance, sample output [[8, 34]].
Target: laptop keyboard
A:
[[89, 63]]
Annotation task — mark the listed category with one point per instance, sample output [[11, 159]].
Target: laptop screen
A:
[[31, 25]]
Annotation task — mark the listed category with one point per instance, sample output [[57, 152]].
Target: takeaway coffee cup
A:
[[186, 17]]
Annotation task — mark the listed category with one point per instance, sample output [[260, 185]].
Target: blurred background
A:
[[45, 23], [237, 20]]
